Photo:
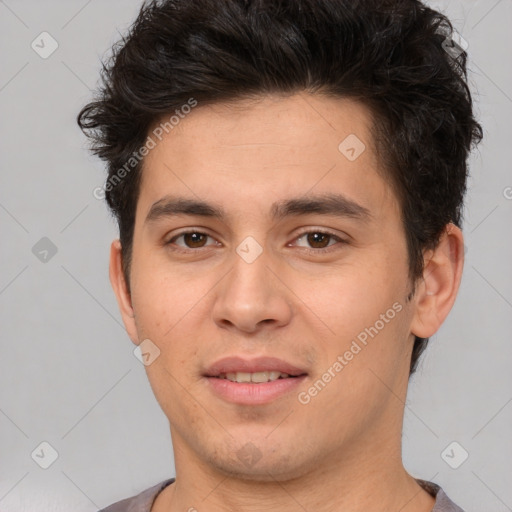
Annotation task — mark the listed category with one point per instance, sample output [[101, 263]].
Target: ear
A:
[[437, 290], [120, 288]]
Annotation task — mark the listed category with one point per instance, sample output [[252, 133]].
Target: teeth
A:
[[260, 377], [257, 377]]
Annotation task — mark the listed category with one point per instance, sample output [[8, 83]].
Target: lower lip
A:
[[247, 393]]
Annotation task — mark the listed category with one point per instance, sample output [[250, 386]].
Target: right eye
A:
[[190, 240]]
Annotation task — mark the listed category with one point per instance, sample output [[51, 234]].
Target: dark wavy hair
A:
[[394, 56]]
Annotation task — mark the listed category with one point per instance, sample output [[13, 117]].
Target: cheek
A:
[[364, 371], [162, 294], [363, 317], [348, 298]]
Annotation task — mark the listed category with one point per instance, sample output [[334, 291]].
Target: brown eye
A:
[[194, 240], [318, 240], [190, 240]]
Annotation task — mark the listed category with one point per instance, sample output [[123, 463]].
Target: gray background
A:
[[67, 369]]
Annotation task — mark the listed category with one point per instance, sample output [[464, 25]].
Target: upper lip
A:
[[237, 364]]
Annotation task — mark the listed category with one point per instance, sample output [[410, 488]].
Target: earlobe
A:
[[119, 285], [437, 290]]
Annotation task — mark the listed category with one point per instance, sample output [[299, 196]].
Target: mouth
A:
[[253, 382], [255, 377]]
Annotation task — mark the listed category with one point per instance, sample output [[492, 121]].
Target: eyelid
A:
[[186, 231], [325, 231]]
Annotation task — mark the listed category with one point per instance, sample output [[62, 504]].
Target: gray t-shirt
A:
[[144, 501]]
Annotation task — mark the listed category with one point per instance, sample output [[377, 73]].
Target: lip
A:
[[245, 393], [251, 393], [258, 364]]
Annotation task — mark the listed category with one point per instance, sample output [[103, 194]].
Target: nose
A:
[[251, 297]]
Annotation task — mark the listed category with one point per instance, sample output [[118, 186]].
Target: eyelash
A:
[[308, 250]]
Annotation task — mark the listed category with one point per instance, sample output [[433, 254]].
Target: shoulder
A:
[[443, 502], [141, 502]]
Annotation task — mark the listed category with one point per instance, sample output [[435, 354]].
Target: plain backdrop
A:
[[68, 374]]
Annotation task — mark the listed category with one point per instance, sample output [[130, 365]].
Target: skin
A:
[[342, 450]]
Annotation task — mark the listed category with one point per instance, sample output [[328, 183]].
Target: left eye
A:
[[319, 239]]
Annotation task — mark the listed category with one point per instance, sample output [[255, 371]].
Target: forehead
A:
[[269, 146], [271, 125]]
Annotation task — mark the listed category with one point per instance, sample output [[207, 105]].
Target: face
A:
[[295, 264]]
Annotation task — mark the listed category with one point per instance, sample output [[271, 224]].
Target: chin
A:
[[260, 464]]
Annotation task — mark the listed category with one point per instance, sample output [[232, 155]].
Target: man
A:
[[288, 178]]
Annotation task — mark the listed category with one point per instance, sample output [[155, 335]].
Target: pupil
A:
[[194, 239], [317, 238]]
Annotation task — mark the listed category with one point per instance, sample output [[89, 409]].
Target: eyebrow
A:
[[325, 204]]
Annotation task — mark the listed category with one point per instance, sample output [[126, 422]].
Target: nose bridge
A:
[[250, 295], [250, 270]]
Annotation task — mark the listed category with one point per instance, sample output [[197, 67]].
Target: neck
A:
[[368, 477]]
